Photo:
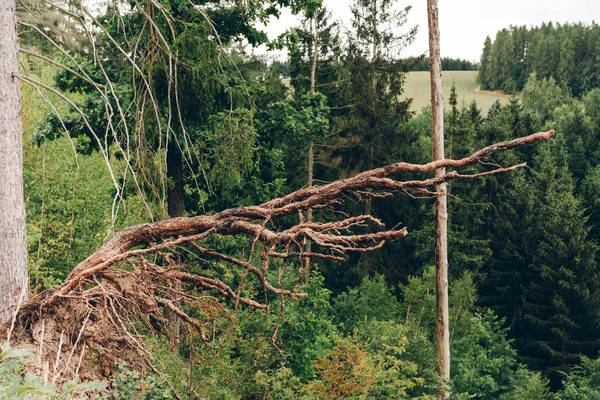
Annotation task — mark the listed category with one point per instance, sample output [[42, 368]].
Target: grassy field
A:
[[417, 87]]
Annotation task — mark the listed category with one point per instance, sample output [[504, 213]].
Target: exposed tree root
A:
[[119, 293]]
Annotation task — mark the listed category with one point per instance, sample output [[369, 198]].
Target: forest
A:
[[566, 53], [204, 223]]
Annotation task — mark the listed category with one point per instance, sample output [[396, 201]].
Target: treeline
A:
[[567, 53], [448, 64]]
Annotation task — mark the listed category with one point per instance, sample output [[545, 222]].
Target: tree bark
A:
[[441, 211], [14, 279], [311, 160]]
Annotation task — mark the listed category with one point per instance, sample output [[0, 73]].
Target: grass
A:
[[417, 87]]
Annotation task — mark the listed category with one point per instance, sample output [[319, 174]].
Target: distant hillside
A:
[[417, 87]]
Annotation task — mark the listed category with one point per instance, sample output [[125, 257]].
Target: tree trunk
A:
[[311, 161], [175, 195], [176, 208], [371, 155], [14, 279], [374, 46], [441, 211]]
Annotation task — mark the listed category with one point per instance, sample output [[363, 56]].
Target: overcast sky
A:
[[464, 24]]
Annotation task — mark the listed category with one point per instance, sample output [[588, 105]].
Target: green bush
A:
[[16, 383]]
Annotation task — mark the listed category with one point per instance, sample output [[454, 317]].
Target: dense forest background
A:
[[567, 53], [524, 287]]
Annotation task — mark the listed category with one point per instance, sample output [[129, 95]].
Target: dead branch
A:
[[134, 277]]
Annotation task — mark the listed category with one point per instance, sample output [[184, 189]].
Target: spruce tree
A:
[[376, 75], [484, 77], [560, 313]]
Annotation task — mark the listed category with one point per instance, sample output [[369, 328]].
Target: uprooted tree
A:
[[123, 289]]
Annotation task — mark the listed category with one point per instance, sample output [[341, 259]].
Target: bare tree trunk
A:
[[14, 279], [315, 49], [441, 211], [371, 155], [311, 161], [374, 46]]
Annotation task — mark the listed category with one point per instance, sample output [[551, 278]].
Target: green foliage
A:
[[371, 301], [130, 385], [307, 330], [17, 383], [396, 377], [296, 127], [529, 386], [541, 97], [231, 138], [559, 306], [68, 193], [483, 360], [283, 385], [582, 382]]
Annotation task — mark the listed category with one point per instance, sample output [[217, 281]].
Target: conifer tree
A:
[[560, 313], [485, 64], [376, 77]]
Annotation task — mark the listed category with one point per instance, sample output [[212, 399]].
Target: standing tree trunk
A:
[[311, 161], [441, 210], [371, 150], [14, 279]]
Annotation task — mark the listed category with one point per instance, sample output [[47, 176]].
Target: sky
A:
[[464, 24]]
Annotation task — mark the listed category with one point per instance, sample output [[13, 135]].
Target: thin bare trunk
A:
[[14, 279], [441, 211], [374, 47], [311, 162], [371, 156], [315, 49]]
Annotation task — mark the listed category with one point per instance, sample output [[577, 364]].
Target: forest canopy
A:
[[566, 53]]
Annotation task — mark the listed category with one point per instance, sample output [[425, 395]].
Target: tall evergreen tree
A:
[[485, 64], [376, 76], [560, 313]]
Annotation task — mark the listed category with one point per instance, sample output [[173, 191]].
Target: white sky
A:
[[464, 24]]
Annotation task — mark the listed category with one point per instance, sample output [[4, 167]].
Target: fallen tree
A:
[[127, 285]]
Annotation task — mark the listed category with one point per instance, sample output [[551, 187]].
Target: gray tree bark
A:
[[311, 156], [441, 210], [14, 279]]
